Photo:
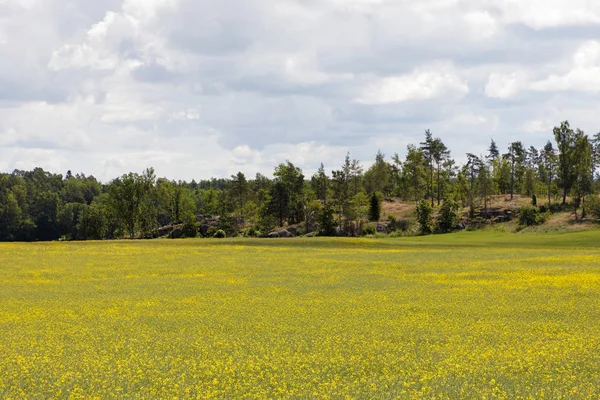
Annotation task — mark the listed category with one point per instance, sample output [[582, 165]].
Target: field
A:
[[470, 315]]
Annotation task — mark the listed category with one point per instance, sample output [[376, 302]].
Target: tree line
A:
[[39, 205]]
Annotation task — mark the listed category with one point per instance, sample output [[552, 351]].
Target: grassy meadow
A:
[[469, 315]]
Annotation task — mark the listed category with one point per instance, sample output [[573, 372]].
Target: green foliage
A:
[[448, 216], [531, 215], [39, 205], [92, 224], [220, 234], [212, 230], [46, 210], [375, 207], [190, 226], [327, 223], [593, 206], [377, 177], [251, 232], [369, 229], [424, 213], [394, 224]]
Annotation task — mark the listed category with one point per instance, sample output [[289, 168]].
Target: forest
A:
[[39, 205]]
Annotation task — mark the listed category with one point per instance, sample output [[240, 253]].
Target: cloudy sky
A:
[[201, 88]]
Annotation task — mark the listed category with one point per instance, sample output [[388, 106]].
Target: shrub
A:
[[448, 217], [220, 234], [593, 206], [475, 223], [531, 215], [212, 230], [425, 216], [369, 229], [250, 232], [190, 227]]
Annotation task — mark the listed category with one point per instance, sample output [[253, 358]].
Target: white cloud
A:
[[421, 84], [505, 86], [543, 14], [538, 126], [583, 76], [225, 86], [482, 24], [469, 119]]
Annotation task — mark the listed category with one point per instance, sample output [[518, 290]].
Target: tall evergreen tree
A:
[[374, 208]]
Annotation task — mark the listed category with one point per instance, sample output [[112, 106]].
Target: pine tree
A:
[[375, 208]]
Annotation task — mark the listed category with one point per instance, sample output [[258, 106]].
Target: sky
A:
[[199, 89]]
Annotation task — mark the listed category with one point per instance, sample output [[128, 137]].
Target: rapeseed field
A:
[[459, 316]]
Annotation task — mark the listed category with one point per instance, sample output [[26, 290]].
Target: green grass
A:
[[469, 315]]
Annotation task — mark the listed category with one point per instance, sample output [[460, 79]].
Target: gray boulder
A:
[[274, 235], [284, 233]]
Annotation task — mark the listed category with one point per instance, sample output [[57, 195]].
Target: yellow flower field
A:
[[460, 316]]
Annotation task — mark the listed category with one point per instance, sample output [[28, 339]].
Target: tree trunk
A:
[[438, 185], [564, 196], [512, 181], [431, 186]]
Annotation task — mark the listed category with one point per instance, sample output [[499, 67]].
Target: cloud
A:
[[584, 74], [421, 84], [199, 88], [544, 14], [505, 86]]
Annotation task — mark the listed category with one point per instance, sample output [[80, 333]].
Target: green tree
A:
[[375, 208], [131, 199], [566, 140], [549, 163], [584, 168], [377, 177], [516, 158], [93, 224], [320, 184], [239, 189], [414, 174], [424, 213], [327, 224], [46, 208], [493, 151], [289, 180], [448, 216]]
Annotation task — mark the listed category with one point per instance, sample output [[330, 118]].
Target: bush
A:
[[531, 215], [212, 230], [475, 224], [369, 229], [425, 216], [220, 234], [448, 218], [190, 227], [250, 232], [592, 205]]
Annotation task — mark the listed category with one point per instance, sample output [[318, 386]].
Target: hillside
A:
[[563, 221]]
